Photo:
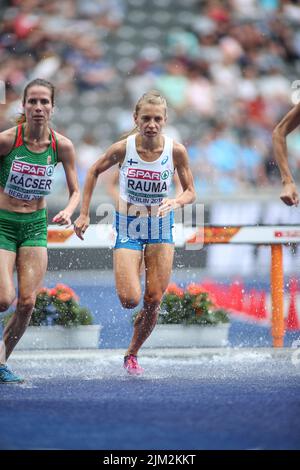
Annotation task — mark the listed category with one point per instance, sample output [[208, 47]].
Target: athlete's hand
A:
[[166, 206], [80, 225], [289, 194], [62, 218]]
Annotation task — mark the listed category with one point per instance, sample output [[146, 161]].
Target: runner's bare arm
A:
[[114, 154], [66, 154], [111, 184], [188, 195], [7, 139], [289, 122]]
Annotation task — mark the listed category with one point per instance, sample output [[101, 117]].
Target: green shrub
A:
[[58, 306], [192, 306]]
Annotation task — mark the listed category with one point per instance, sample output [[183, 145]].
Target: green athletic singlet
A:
[[26, 175]]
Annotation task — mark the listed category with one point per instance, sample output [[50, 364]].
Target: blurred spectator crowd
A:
[[228, 70]]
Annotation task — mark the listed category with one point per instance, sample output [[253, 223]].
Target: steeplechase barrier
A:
[[275, 236]]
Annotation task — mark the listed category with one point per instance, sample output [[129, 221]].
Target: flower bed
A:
[[189, 318], [59, 321], [192, 306], [58, 306]]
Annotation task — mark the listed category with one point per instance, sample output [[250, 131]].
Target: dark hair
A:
[[36, 82], [151, 97]]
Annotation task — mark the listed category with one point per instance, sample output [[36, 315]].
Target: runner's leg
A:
[[7, 289], [31, 268], [158, 263], [127, 276]]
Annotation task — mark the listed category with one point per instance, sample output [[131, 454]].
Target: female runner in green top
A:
[[29, 153]]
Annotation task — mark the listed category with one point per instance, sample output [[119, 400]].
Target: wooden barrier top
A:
[[103, 235]]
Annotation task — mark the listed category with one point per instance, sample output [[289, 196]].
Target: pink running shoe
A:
[[131, 365]]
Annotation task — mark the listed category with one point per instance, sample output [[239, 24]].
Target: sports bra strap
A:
[[53, 143], [19, 137]]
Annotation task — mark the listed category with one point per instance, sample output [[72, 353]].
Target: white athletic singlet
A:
[[146, 183]]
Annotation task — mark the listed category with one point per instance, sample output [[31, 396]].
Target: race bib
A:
[[146, 186], [29, 181]]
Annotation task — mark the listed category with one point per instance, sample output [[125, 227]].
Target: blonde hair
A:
[[36, 82], [151, 97]]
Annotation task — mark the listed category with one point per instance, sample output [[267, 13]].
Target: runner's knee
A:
[[4, 304], [153, 297], [26, 303], [6, 300], [129, 302]]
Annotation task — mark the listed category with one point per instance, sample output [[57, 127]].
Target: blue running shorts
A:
[[136, 232]]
